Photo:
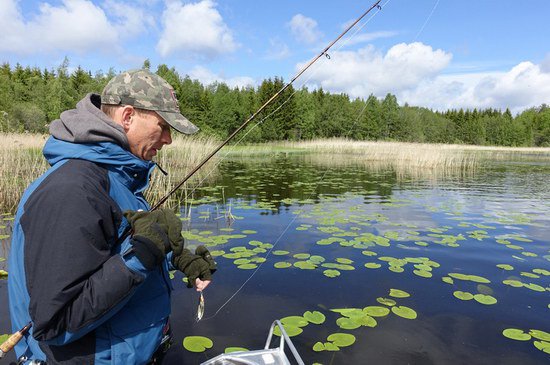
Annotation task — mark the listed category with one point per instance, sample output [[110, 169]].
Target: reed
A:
[[21, 162]]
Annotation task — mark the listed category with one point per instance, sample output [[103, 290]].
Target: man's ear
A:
[[126, 114]]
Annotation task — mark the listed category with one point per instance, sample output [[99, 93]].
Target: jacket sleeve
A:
[[74, 281]]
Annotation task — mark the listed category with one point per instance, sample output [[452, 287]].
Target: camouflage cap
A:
[[145, 90]]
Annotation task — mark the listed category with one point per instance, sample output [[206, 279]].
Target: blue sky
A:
[[434, 53]]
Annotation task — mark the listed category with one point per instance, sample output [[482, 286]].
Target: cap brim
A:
[[178, 122]]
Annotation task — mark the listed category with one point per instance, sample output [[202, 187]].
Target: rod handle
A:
[[13, 340]]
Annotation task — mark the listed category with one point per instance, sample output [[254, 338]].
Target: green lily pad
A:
[[448, 280], [343, 260], [386, 301], [516, 334], [404, 312], [368, 253], [249, 231], [229, 350], [247, 266], [197, 343], [331, 273], [485, 299], [314, 317], [540, 335], [543, 346], [463, 295], [318, 347], [534, 287], [376, 311], [423, 273], [305, 265], [505, 267], [297, 321], [302, 256], [542, 272], [3, 274], [291, 331], [372, 265], [348, 323], [280, 252], [341, 339], [282, 265], [397, 269], [396, 293]]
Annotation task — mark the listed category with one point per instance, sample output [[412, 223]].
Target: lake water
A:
[[436, 239]]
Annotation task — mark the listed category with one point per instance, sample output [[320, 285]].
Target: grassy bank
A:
[[21, 160]]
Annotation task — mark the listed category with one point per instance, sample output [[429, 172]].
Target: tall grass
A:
[[21, 162]]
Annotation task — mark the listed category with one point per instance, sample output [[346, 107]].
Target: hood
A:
[[88, 124], [86, 133]]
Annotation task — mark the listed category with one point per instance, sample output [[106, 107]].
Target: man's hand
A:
[[154, 235], [198, 268]]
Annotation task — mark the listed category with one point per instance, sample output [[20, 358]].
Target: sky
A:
[[439, 54]]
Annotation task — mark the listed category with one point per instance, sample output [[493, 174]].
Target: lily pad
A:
[[291, 331], [297, 321], [331, 273], [386, 301], [229, 350], [372, 265], [348, 323], [197, 343], [282, 265], [341, 339], [462, 295], [516, 334], [396, 293], [485, 299], [543, 346], [302, 256], [540, 335], [280, 252], [247, 266], [3, 274], [314, 317], [404, 312], [423, 273], [376, 311]]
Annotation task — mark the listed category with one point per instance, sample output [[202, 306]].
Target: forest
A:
[[30, 98]]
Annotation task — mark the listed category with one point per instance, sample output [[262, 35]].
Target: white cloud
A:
[[195, 29], [132, 19], [278, 50], [72, 26], [304, 29], [366, 71], [415, 74], [207, 77]]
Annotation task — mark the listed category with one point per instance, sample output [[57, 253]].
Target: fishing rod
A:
[[265, 105]]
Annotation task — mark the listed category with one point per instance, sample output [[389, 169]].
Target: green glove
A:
[[201, 265], [154, 235]]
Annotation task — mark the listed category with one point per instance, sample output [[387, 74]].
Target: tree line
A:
[[30, 98]]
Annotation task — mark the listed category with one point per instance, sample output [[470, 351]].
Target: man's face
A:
[[147, 133]]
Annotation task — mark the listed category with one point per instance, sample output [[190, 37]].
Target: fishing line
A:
[[313, 72], [321, 179], [347, 40], [426, 21]]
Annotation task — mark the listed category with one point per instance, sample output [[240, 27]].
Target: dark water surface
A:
[[346, 216]]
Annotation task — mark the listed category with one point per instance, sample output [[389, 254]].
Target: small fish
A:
[[200, 309]]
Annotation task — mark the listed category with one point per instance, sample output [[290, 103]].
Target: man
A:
[[91, 299]]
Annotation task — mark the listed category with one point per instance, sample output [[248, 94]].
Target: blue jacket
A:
[[88, 303]]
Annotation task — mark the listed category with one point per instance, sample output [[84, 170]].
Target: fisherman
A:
[[91, 299]]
